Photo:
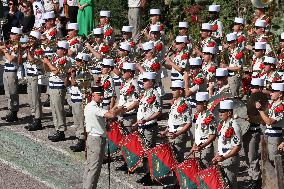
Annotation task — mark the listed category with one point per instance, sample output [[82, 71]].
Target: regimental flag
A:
[[161, 161], [114, 136], [211, 178], [186, 172], [133, 150]]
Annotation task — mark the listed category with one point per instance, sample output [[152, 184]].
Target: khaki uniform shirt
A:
[[179, 115], [229, 136]]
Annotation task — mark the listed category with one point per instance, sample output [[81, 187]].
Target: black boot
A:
[[79, 147], [12, 117], [36, 125], [254, 184], [68, 112], [58, 136], [146, 180], [46, 103], [122, 168]]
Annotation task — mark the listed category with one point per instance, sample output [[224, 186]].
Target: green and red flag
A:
[[211, 178], [186, 172], [133, 150], [161, 161], [114, 136]]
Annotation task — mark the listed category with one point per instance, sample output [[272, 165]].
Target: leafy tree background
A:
[[178, 10]]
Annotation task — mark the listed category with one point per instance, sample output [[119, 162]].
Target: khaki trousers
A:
[[235, 84], [134, 20], [231, 169], [34, 93], [95, 155], [10, 81], [78, 118], [272, 146], [207, 155], [57, 97], [251, 141], [179, 146]]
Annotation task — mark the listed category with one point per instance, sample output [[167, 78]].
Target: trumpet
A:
[[86, 40], [142, 33], [169, 53]]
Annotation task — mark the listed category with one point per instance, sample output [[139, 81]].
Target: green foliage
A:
[[118, 8]]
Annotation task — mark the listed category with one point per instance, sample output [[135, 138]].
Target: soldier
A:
[[49, 36], [179, 121], [148, 111], [129, 96], [183, 31], [194, 80], [236, 61], [51, 31], [34, 68], [124, 51], [95, 118], [77, 100], [127, 38], [209, 67], [258, 58], [273, 120], [155, 37], [280, 65], [99, 50], [269, 73], [180, 61], [58, 68], [151, 64], [260, 15], [238, 28], [222, 81], [206, 39], [217, 26], [108, 84], [129, 99], [205, 129], [73, 40], [155, 15], [251, 139], [10, 80], [107, 29], [229, 143]]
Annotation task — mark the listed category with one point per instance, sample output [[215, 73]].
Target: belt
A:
[[128, 115], [148, 126], [10, 70], [254, 127], [57, 87], [76, 100], [31, 74]]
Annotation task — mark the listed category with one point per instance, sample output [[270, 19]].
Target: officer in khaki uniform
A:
[[95, 119], [236, 60], [10, 79], [77, 100], [273, 120], [229, 143], [57, 90], [148, 111], [34, 68], [205, 129], [251, 139], [179, 121]]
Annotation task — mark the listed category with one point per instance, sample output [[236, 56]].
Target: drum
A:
[[186, 172], [132, 150], [212, 178], [114, 136], [161, 161]]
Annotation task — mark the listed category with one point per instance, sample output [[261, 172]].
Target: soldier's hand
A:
[[45, 60], [249, 47], [257, 105], [141, 122], [196, 149], [218, 158], [88, 45], [163, 133], [281, 147]]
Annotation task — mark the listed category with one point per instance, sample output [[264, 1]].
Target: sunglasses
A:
[[258, 50], [11, 4], [223, 111], [145, 80]]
